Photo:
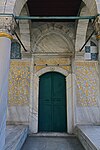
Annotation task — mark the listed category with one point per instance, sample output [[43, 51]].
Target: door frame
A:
[[34, 98]]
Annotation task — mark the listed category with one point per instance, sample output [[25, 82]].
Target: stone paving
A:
[[52, 143]]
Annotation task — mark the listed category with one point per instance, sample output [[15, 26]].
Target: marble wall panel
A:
[[18, 92], [18, 115], [87, 104], [87, 83], [19, 83]]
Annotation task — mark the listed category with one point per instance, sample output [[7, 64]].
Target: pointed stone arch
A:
[[93, 6], [45, 42], [48, 35], [16, 6], [24, 27], [81, 29]]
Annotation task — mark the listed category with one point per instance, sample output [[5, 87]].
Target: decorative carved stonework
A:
[[7, 24], [97, 26]]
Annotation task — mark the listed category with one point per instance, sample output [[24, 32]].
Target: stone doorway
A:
[[52, 103]]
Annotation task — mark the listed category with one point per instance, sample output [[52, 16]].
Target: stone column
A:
[[5, 46]]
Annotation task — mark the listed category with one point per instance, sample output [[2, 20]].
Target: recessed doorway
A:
[[52, 103]]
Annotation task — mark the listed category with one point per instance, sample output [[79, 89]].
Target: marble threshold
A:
[[15, 136], [51, 134]]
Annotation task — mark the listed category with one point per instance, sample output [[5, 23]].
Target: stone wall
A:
[[52, 45]]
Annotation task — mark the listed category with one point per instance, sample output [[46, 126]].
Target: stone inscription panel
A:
[[42, 62]]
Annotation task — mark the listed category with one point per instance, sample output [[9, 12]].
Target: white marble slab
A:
[[15, 136], [89, 135]]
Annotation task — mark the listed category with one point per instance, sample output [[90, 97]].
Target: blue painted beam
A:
[[48, 17], [53, 17]]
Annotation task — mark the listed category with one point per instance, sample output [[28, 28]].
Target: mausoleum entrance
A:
[[52, 103]]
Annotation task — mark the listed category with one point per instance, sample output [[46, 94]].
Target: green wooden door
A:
[[52, 103]]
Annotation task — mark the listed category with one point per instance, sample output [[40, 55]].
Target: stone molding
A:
[[51, 69]]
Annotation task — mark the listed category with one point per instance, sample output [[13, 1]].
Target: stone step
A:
[[89, 136], [15, 136], [52, 134]]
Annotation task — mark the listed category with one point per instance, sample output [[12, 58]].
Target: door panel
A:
[[52, 103], [45, 104], [59, 120], [58, 85], [45, 87], [44, 122]]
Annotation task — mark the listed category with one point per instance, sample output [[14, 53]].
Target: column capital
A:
[[7, 35], [97, 27], [7, 25]]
